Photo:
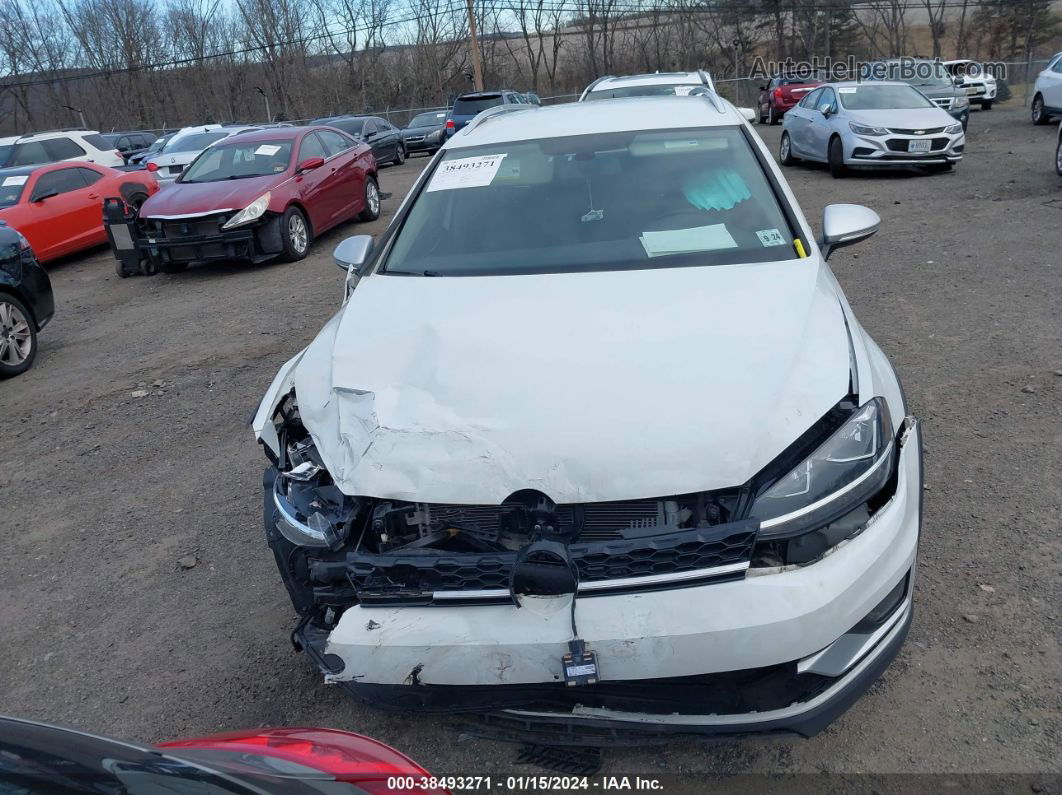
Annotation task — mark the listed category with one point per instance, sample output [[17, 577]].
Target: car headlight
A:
[[252, 212], [960, 103], [953, 129], [862, 129], [434, 136], [846, 470]]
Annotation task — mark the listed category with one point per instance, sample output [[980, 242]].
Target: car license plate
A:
[[918, 146]]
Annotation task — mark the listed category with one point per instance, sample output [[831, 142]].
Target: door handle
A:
[[94, 195]]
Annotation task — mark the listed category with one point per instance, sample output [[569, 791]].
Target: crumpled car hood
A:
[[586, 386]]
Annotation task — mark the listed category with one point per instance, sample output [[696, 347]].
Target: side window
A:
[[335, 142], [88, 175], [311, 147], [29, 154], [62, 149], [828, 97], [57, 182], [123, 144], [383, 125], [812, 99], [1057, 67], [98, 141], [369, 128]]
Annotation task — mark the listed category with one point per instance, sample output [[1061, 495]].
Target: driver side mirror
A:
[[826, 109], [353, 252], [309, 164], [845, 224]]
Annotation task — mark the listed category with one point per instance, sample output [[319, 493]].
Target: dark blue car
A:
[[468, 106]]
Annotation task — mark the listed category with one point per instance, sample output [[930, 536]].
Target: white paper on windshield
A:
[[846, 90], [683, 91], [684, 241], [466, 172], [770, 237], [267, 149], [20, 180]]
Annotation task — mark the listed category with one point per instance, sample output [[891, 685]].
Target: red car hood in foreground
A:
[[199, 198]]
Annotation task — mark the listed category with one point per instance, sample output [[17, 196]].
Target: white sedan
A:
[[596, 439]]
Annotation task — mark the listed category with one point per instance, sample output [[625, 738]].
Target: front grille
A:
[[944, 102], [928, 131], [187, 228], [597, 521], [414, 139], [415, 576], [900, 145]]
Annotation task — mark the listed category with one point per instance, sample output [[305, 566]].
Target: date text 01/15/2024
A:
[[525, 783]]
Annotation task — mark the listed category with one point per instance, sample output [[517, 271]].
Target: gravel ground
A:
[[103, 494]]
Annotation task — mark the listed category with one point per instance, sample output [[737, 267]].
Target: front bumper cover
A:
[[196, 239]]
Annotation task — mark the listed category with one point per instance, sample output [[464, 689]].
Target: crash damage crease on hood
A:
[[587, 387]]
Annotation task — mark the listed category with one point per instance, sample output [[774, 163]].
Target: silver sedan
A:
[[883, 125]]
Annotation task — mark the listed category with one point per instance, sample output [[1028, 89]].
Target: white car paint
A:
[[171, 163], [424, 389], [1048, 86]]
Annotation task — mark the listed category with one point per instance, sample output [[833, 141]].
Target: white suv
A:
[[680, 84], [597, 440], [55, 145]]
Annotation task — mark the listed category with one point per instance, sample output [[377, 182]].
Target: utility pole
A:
[[269, 114], [79, 112], [477, 65]]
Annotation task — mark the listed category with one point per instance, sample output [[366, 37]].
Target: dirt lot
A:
[[101, 493]]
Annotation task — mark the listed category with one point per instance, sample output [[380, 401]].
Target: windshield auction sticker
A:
[[16, 180], [466, 172]]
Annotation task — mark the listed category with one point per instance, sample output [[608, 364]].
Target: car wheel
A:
[[965, 123], [295, 233], [785, 151], [987, 104], [372, 201], [771, 120], [136, 200], [835, 156], [1039, 115], [763, 115], [18, 338], [1058, 158], [400, 155]]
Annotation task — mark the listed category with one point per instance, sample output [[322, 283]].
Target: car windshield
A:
[[609, 201], [193, 141], [11, 188], [239, 160], [427, 119], [470, 106], [657, 90], [871, 97], [923, 73]]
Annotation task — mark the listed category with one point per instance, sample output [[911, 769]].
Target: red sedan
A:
[[58, 207], [257, 196]]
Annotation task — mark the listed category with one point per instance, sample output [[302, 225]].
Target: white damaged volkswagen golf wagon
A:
[[595, 442]]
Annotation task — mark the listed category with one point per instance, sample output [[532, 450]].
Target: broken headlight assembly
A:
[[831, 494], [310, 510]]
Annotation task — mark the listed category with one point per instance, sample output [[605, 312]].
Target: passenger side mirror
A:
[[845, 224], [353, 252], [309, 164], [826, 109]]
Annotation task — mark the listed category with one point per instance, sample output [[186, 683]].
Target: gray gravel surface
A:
[[138, 599]]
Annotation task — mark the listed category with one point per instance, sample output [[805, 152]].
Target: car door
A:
[[1051, 85], [800, 121], [61, 213], [819, 126], [346, 184], [390, 137], [315, 185], [369, 134]]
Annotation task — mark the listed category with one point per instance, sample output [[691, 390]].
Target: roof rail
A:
[[59, 130], [590, 87], [706, 79], [497, 110]]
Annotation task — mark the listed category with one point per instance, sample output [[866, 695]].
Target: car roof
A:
[[20, 171], [856, 83], [532, 122], [46, 134], [489, 92], [649, 79], [270, 133]]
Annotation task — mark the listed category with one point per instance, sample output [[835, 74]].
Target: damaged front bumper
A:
[[165, 241], [734, 649]]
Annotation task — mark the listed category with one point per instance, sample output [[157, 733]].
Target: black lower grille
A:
[[900, 145], [416, 576], [193, 227]]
